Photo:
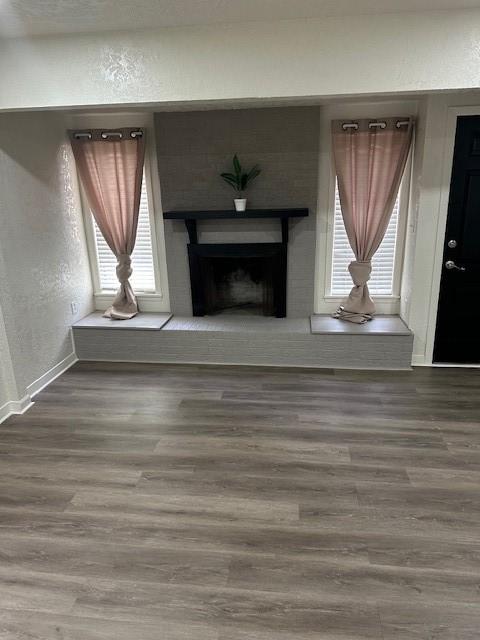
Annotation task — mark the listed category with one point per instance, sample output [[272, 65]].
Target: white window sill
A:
[[146, 301], [389, 305], [338, 298]]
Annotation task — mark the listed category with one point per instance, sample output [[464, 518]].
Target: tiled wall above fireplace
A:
[[195, 147]]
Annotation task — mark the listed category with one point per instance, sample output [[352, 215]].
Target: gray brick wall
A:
[[195, 147]]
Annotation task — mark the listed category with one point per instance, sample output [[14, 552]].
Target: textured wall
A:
[[4, 395], [41, 242], [8, 388], [193, 148], [8, 391], [336, 56]]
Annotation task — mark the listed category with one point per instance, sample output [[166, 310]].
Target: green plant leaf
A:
[[238, 180], [237, 167], [243, 181], [253, 173], [231, 180]]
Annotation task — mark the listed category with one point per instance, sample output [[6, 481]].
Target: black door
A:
[[457, 337]]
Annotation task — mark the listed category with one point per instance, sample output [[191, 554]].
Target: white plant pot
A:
[[240, 204]]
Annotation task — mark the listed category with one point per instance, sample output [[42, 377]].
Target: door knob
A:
[[450, 264]]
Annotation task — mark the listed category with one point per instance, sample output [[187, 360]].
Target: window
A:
[[383, 263], [149, 264], [143, 276]]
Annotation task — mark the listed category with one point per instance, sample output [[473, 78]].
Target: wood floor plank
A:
[[48, 592], [416, 499], [25, 495], [229, 509], [291, 488], [364, 582], [442, 621], [119, 562], [406, 456], [37, 625], [230, 610]]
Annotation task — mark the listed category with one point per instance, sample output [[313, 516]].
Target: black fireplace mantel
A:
[[191, 217]]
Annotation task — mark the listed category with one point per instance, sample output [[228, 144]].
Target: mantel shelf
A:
[[191, 217], [225, 214]]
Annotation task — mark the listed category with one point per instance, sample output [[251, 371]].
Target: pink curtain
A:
[[110, 166], [369, 163]]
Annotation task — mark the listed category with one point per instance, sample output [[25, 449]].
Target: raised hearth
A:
[[249, 340]]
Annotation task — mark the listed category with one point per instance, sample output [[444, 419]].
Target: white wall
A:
[[8, 389], [417, 160], [390, 53], [42, 247]]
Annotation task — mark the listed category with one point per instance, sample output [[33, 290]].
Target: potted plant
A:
[[239, 181]]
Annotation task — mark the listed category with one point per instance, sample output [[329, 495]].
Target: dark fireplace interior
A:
[[238, 278], [238, 285]]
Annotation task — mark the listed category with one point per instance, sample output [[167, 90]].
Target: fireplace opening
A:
[[238, 278], [238, 285]]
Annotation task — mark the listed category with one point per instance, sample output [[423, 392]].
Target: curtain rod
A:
[[372, 125], [105, 135]]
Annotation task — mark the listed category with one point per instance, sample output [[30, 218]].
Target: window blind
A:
[[143, 276], [383, 262]]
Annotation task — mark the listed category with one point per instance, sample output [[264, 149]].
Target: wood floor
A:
[[152, 502]]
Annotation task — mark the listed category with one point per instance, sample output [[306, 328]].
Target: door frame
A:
[[447, 164]]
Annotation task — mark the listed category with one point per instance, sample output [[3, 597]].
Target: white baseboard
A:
[[20, 406], [50, 375], [15, 407], [450, 365], [420, 362]]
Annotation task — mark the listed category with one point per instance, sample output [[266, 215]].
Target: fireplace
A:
[[238, 278]]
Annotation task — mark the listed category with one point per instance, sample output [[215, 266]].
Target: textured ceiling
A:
[[38, 17]]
